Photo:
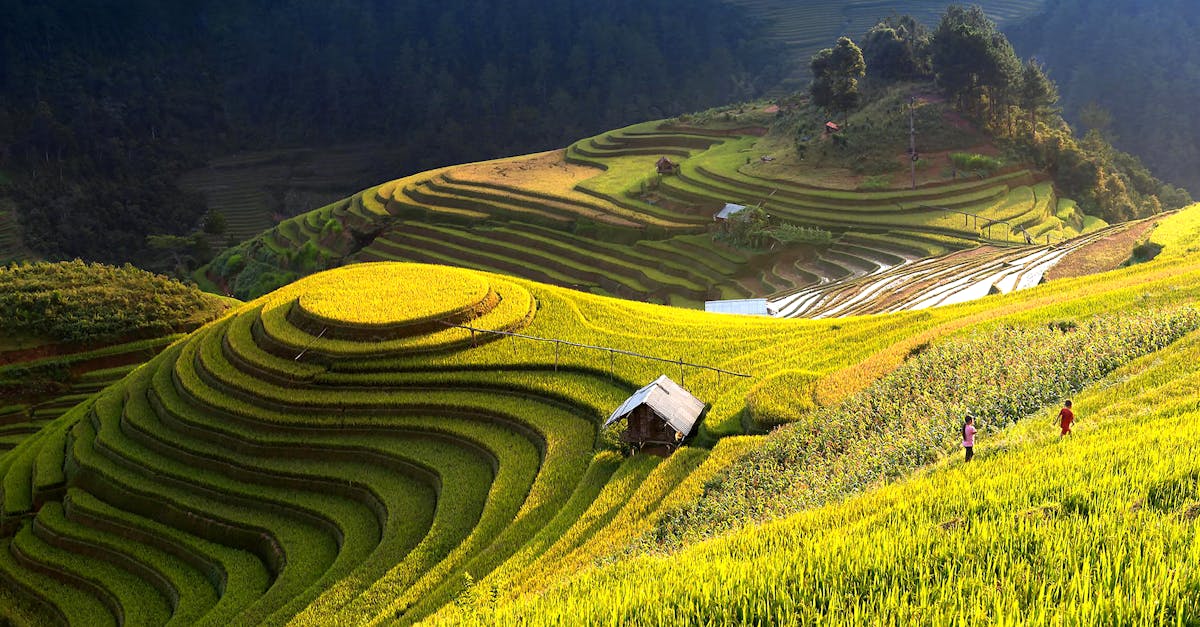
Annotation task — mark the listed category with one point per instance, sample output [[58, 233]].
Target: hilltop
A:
[[837, 202], [803, 28], [410, 419], [71, 329], [599, 218], [283, 463]]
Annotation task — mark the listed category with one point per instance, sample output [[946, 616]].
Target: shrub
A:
[[974, 162]]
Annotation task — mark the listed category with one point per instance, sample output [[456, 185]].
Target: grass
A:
[[598, 218], [394, 479]]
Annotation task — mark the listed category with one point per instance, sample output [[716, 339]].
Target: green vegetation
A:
[[995, 527], [972, 162], [71, 329], [101, 121], [75, 301], [598, 218], [909, 418], [1125, 74], [279, 465]]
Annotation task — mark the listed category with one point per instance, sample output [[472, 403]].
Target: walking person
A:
[[968, 432], [1066, 418]]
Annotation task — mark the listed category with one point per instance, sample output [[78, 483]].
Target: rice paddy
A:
[[280, 466]]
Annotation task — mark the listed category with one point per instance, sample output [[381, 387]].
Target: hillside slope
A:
[[598, 217], [286, 463], [71, 329]]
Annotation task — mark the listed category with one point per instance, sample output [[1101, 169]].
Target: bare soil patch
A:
[[546, 172], [1102, 255]]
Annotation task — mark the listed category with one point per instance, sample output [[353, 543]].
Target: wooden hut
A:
[[666, 166], [660, 416]]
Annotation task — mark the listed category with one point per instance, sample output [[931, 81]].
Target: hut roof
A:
[[729, 210], [666, 399]]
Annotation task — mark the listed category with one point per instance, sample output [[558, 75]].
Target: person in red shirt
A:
[[1065, 418]]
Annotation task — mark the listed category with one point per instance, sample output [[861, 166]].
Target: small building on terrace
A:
[[666, 166], [659, 416], [728, 211]]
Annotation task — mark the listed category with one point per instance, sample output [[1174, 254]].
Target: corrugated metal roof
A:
[[744, 306], [729, 210], [666, 398]]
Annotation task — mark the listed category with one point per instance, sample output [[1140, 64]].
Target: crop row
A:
[[1114, 484]]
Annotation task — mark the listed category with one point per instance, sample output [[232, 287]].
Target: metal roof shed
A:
[[729, 211], [660, 414], [742, 306]]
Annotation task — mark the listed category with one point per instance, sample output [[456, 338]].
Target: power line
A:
[[611, 351]]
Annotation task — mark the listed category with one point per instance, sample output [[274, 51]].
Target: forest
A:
[[104, 104], [1129, 69]]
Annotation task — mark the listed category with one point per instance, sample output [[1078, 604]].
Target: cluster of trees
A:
[[754, 229], [74, 301], [977, 68], [1135, 60], [103, 105]]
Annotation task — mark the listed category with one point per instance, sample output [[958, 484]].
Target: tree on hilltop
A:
[[1037, 92], [897, 48], [973, 61], [835, 76]]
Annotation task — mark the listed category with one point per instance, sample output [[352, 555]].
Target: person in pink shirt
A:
[[968, 432]]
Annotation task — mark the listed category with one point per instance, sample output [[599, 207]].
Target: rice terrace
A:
[[713, 367]]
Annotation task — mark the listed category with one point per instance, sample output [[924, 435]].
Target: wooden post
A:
[[473, 344], [680, 370], [557, 344], [612, 366]]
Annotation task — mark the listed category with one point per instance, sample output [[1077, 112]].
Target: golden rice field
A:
[[339, 452]]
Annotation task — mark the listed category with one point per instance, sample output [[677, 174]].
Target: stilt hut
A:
[[666, 166], [660, 416]]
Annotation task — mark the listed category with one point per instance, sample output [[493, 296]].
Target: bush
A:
[[75, 301], [876, 183], [974, 162]]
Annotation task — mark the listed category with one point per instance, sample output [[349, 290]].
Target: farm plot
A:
[[328, 454], [933, 282]]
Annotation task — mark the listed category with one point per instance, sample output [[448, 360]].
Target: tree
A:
[[215, 223], [835, 76], [897, 49], [1094, 117], [973, 62], [1038, 92]]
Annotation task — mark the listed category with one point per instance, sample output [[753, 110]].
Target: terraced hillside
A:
[[71, 329], [251, 190], [291, 461], [806, 27], [932, 282], [598, 218]]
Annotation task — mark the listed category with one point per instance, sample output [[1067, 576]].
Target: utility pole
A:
[[912, 138]]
